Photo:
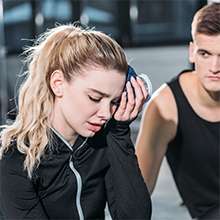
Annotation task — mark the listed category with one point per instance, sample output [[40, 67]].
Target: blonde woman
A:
[[69, 152]]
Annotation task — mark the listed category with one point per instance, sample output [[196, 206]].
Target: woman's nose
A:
[[105, 111]]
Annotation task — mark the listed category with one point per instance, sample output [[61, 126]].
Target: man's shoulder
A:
[[163, 97], [164, 103], [162, 94]]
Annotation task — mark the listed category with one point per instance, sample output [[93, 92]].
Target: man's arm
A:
[[158, 127]]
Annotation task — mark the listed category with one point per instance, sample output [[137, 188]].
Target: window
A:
[[17, 24]]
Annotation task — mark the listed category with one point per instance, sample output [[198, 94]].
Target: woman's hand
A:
[[132, 100]]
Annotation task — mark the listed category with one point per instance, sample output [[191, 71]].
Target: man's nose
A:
[[215, 65]]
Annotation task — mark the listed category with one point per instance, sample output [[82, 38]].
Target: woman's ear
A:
[[57, 82], [191, 52]]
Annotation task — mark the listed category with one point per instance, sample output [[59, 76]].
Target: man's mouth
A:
[[214, 78]]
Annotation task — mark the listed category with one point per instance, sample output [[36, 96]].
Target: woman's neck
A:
[[63, 128]]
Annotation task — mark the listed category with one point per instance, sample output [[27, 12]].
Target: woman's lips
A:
[[94, 127]]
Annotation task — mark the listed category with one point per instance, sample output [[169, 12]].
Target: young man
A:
[[182, 121]]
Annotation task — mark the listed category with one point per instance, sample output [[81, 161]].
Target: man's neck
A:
[[207, 98]]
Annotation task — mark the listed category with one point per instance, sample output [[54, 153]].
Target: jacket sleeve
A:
[[18, 199], [127, 193]]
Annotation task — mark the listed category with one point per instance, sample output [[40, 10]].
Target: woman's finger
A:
[[143, 88], [130, 101], [121, 108], [139, 96]]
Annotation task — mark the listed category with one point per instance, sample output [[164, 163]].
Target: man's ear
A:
[[57, 82], [191, 52]]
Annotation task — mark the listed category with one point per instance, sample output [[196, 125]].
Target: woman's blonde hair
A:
[[67, 48]]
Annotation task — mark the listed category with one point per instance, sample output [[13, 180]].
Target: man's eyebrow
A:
[[204, 50]]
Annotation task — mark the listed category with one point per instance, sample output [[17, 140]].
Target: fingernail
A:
[[132, 78]]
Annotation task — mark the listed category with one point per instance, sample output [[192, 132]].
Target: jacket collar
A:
[[59, 143]]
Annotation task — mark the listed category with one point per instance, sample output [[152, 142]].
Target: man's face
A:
[[205, 54]]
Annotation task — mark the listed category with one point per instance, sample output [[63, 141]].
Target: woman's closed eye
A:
[[94, 99]]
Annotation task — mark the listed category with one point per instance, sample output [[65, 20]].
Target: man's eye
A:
[[94, 99], [204, 54]]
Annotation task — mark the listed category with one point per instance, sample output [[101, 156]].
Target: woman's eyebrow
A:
[[99, 92], [103, 94]]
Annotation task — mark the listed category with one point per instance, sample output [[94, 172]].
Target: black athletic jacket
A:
[[76, 182]]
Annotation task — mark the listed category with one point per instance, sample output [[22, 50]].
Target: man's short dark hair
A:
[[207, 20]]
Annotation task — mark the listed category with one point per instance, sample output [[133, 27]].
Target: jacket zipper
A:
[[76, 173], [79, 189], [79, 183]]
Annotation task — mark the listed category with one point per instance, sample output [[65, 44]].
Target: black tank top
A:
[[194, 157]]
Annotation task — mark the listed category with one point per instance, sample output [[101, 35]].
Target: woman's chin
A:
[[87, 133]]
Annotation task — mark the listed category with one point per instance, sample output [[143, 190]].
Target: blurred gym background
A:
[[135, 24], [154, 33]]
